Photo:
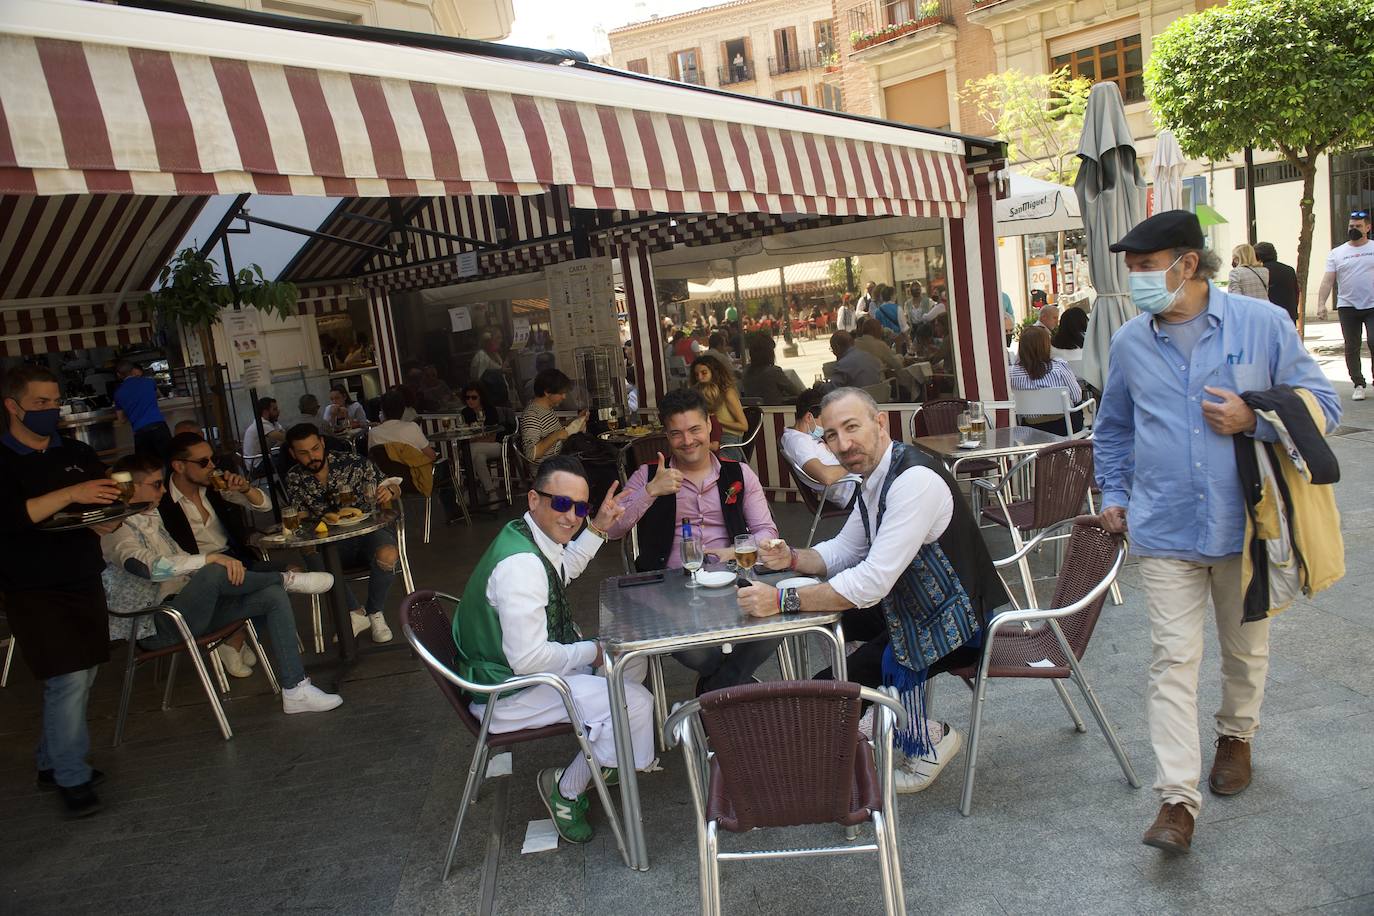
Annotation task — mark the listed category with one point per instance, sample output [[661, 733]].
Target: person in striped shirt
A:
[[1036, 368]]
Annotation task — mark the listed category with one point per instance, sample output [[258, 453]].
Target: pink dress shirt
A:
[[699, 504]]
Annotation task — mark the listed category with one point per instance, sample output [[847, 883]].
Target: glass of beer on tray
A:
[[746, 554], [125, 481], [346, 496], [290, 520]]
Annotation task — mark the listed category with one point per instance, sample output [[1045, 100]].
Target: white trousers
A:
[[482, 452], [535, 707], [1176, 593]]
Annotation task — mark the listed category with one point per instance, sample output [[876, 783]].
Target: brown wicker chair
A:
[[1062, 474], [192, 646], [1016, 640], [940, 417], [429, 630], [787, 754]]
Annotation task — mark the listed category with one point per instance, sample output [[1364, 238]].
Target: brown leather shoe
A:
[[1172, 830], [1231, 768]]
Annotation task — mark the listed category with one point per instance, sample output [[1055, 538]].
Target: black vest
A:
[[962, 541], [231, 516], [655, 528]]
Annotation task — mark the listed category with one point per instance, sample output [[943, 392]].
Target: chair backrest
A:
[[810, 498], [938, 417], [786, 750], [423, 612], [1063, 473], [1091, 553], [645, 450], [881, 392], [1038, 402], [753, 416], [377, 455]]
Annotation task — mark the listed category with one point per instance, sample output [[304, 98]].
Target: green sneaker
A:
[[610, 776], [569, 817]]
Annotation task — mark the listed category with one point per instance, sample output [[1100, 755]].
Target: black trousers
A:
[[1353, 321], [865, 664]]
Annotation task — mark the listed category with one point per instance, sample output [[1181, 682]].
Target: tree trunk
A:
[[1307, 167], [219, 403]]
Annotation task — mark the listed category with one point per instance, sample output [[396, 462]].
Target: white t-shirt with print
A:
[[1354, 270], [801, 448]]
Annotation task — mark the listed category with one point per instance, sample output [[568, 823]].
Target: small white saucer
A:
[[715, 578]]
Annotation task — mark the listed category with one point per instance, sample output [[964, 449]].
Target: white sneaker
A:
[[248, 656], [307, 583], [915, 774], [360, 623], [1358, 394], [380, 631], [229, 657], [306, 697]]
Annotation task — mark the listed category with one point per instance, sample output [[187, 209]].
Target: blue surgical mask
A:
[[1150, 291], [818, 434], [42, 422]]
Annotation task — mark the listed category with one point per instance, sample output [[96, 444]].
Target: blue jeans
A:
[[209, 602], [65, 740], [357, 552]]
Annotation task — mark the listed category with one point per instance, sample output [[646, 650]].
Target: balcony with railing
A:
[[732, 73], [796, 61], [691, 75], [876, 22]]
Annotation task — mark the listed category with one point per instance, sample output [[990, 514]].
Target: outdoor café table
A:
[[665, 617], [999, 444], [463, 437], [305, 536]]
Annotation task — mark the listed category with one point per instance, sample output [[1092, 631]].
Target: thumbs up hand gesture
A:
[[666, 480]]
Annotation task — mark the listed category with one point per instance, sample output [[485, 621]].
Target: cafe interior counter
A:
[[102, 431]]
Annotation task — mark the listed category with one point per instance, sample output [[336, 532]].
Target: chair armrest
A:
[[1032, 544], [141, 612], [1079, 408], [1031, 615], [886, 700], [678, 721]]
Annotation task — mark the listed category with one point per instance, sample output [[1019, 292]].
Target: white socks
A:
[[576, 777]]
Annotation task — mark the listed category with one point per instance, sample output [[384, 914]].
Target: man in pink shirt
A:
[[722, 498]]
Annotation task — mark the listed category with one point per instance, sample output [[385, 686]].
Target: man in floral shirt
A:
[[313, 485]]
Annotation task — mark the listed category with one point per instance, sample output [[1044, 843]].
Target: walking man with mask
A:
[[1166, 463], [1351, 268]]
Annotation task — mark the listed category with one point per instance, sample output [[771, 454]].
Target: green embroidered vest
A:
[[477, 626]]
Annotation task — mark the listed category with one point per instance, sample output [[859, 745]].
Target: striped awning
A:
[[96, 98], [61, 328]]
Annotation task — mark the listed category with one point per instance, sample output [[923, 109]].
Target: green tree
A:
[[1039, 116], [838, 277], [1294, 76]]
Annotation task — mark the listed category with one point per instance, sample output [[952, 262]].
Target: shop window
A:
[[1352, 188], [1100, 56], [638, 65]]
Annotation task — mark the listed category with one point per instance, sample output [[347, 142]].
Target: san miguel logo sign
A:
[[1030, 207]]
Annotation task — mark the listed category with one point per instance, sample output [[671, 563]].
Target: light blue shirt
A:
[[1154, 453]]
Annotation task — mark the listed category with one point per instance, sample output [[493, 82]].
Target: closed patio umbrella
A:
[[1111, 196], [1166, 172]]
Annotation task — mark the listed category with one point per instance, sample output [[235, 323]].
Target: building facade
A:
[[487, 20], [906, 60], [779, 49]]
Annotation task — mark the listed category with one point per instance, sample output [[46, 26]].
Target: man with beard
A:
[[910, 568]]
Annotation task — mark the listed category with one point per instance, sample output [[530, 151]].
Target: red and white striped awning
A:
[[61, 328], [102, 99]]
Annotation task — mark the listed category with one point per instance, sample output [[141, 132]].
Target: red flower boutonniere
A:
[[732, 494]]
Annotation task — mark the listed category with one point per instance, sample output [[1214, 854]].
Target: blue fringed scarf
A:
[[928, 615]]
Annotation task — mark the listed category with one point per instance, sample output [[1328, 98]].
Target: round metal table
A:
[[463, 437]]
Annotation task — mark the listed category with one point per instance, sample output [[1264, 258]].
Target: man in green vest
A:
[[514, 619]]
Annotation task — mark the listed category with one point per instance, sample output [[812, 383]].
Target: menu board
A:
[[581, 307], [244, 330]]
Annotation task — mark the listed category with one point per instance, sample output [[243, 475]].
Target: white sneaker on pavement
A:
[[229, 657], [248, 656], [1357, 394], [380, 631], [307, 583], [915, 774], [306, 697], [360, 622]]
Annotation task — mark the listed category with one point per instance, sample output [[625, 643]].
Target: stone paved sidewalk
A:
[[349, 812]]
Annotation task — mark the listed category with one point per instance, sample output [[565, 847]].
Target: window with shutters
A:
[[638, 65], [685, 66], [796, 96], [828, 96]]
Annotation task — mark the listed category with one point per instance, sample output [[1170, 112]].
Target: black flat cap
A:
[[1170, 229]]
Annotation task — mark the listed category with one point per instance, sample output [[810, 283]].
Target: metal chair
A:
[[1061, 474], [785, 755], [429, 631], [938, 417], [192, 646], [1018, 641], [818, 503], [1038, 402], [753, 416], [377, 455]]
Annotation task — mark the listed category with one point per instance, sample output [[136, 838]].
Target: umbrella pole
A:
[[789, 346]]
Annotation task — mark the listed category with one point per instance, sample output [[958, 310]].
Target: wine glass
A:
[[370, 494], [965, 423], [692, 557], [746, 554]]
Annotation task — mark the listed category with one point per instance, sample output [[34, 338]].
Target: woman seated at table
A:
[[1036, 368], [762, 377], [342, 412], [147, 566], [487, 449], [716, 384], [1067, 342]]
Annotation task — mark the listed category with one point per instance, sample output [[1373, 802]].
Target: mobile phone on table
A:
[[648, 578]]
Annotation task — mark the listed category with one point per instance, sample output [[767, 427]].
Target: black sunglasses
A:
[[199, 462], [472, 397], [564, 503]]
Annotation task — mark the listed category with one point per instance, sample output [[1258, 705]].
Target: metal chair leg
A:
[[492, 862], [980, 692], [711, 905], [786, 670], [815, 523], [126, 691], [1064, 698], [429, 512], [315, 624], [252, 634], [1090, 696], [660, 700], [218, 668], [476, 773], [893, 902], [9, 659], [171, 679]]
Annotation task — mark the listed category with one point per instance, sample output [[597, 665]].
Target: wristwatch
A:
[[791, 601]]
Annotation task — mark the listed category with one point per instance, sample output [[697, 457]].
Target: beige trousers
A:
[[1176, 593]]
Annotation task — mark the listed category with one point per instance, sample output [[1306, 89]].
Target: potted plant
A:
[[927, 14]]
